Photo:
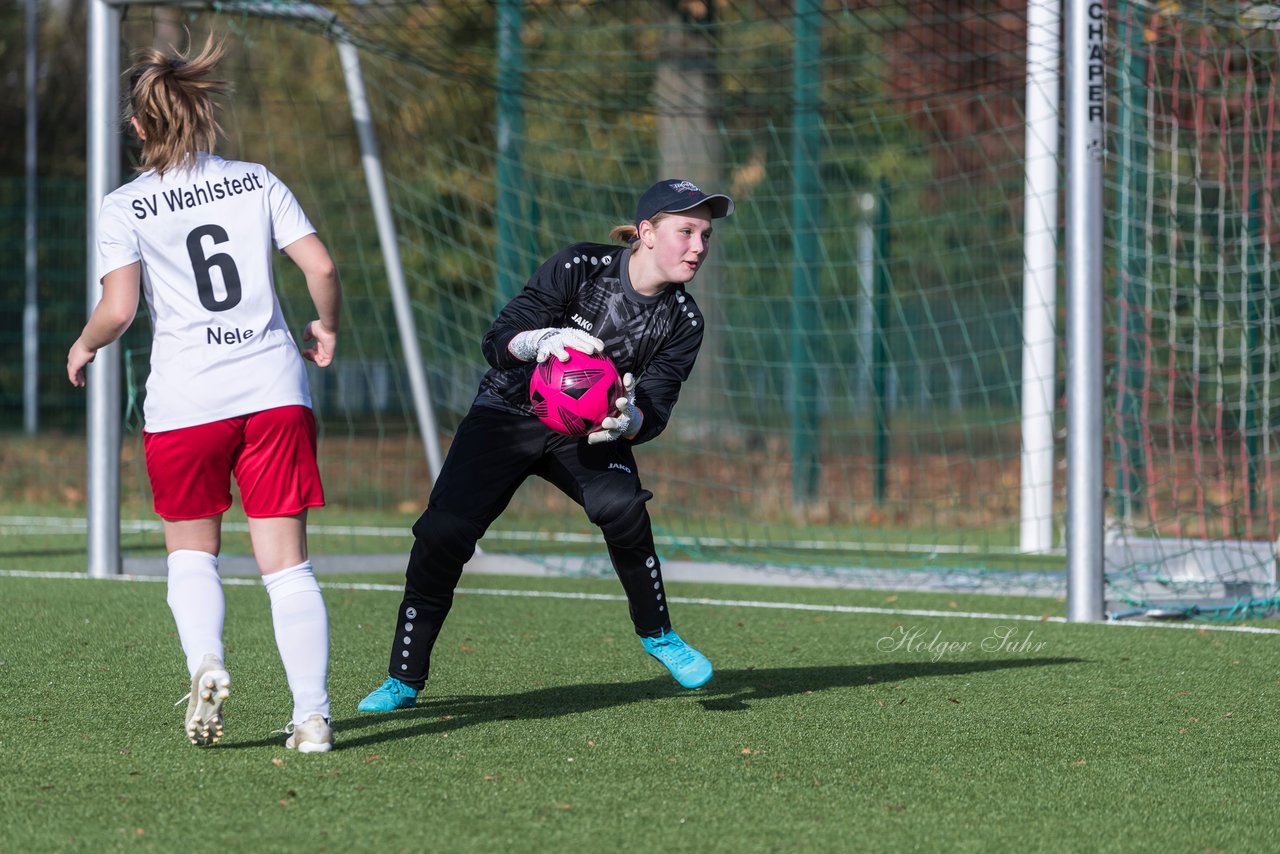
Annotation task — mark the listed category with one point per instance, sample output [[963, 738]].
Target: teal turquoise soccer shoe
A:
[[689, 667], [389, 696]]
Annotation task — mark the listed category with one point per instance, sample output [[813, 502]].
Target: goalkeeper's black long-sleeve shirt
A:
[[655, 338]]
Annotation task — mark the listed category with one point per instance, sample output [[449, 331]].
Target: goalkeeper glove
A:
[[541, 344], [628, 420]]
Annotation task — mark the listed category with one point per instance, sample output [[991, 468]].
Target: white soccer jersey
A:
[[205, 238]]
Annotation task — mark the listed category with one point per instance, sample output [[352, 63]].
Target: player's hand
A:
[[542, 344], [626, 424], [326, 344], [77, 358]]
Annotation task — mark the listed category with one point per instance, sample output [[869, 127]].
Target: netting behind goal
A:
[[1193, 353], [856, 401], [856, 404]]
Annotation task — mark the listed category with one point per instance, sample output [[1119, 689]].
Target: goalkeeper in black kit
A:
[[629, 301]]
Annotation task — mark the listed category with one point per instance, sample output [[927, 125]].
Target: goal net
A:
[[856, 407], [1192, 349]]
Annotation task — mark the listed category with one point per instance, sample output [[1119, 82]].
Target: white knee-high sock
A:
[[302, 636], [195, 598]]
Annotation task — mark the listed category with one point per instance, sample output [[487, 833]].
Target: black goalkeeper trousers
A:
[[493, 452]]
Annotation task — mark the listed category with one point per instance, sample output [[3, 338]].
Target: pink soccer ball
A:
[[573, 397]]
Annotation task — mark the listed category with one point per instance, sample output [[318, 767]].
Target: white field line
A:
[[681, 600], [74, 525]]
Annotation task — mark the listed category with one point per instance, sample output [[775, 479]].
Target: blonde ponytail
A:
[[624, 234], [628, 234], [171, 98]]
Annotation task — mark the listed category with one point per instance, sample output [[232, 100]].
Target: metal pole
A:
[[1085, 66], [1134, 180], [103, 391], [510, 177], [866, 305], [806, 202], [880, 368], [1251, 412], [1040, 273], [30, 309], [381, 204]]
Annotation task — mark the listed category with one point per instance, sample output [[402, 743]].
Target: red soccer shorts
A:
[[271, 453]]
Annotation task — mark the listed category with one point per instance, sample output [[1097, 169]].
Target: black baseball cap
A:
[[673, 195]]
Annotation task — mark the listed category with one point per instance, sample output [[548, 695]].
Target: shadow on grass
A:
[[728, 691]]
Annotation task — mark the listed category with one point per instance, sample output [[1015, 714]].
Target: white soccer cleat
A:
[[210, 688], [311, 736]]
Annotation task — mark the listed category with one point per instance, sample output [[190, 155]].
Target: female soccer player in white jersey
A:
[[629, 300], [227, 393]]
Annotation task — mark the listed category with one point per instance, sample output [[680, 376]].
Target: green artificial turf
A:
[[545, 728]]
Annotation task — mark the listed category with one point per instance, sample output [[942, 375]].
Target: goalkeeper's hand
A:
[[541, 344], [626, 424]]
